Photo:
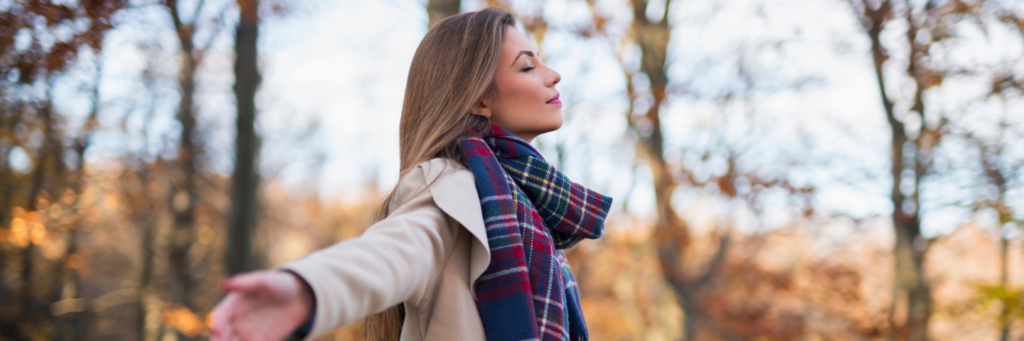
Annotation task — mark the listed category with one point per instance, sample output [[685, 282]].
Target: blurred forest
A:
[[130, 185]]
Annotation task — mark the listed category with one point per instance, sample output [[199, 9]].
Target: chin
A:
[[556, 125], [550, 126], [555, 122], [549, 129]]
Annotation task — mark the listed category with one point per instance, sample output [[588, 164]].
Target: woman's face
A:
[[524, 100]]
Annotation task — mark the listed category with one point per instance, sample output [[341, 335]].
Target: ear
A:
[[481, 108]]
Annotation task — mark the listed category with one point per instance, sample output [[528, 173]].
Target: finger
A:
[[224, 315], [248, 282], [220, 333], [217, 334], [221, 328], [222, 312]]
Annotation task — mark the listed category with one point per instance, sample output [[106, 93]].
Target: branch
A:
[[199, 9], [83, 139], [185, 32], [216, 31], [664, 18]]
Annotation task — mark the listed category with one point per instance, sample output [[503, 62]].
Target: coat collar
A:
[[454, 191]]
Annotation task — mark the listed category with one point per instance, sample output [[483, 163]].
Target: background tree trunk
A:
[[48, 178], [999, 174], [72, 326], [6, 115], [185, 195], [910, 309], [245, 181], [150, 307], [673, 234]]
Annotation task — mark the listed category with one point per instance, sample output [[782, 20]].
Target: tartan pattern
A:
[[531, 212]]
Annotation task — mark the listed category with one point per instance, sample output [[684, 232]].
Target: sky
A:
[[334, 75]]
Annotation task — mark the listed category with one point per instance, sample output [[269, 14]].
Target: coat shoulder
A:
[[441, 168], [442, 177], [453, 188]]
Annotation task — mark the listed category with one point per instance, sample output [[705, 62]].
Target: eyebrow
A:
[[526, 52]]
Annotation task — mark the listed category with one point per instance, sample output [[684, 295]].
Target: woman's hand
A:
[[261, 305]]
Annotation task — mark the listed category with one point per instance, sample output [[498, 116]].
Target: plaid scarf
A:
[[531, 211]]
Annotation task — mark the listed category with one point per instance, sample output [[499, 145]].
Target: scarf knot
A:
[[531, 212]]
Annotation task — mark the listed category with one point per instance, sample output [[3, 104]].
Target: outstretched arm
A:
[[396, 260]]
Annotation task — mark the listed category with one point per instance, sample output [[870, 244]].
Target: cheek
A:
[[520, 92], [523, 100], [521, 108]]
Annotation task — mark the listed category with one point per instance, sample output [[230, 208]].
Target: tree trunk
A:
[[440, 9], [245, 181], [150, 320], [49, 157], [911, 296], [6, 116], [990, 156], [72, 325], [5, 149], [672, 233], [9, 118], [185, 195]]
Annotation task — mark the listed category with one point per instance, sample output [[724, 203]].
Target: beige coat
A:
[[428, 253]]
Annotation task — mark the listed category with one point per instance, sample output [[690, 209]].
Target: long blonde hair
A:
[[453, 69]]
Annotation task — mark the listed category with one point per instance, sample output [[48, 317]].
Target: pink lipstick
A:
[[554, 100]]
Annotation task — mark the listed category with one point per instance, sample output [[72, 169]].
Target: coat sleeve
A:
[[396, 260]]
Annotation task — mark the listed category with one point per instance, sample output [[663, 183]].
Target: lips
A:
[[554, 100]]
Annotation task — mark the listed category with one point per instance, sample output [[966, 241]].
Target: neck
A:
[[528, 137]]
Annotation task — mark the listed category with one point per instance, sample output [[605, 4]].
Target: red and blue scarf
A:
[[531, 212]]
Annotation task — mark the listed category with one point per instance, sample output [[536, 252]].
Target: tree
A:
[[185, 198], [245, 180], [673, 234], [912, 146], [1000, 172], [694, 288], [1001, 169], [34, 50]]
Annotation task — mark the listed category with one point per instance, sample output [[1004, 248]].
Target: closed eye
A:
[[527, 69]]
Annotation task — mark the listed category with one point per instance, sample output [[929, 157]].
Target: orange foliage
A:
[[185, 321], [27, 227]]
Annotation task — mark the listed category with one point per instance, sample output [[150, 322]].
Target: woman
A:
[[470, 246]]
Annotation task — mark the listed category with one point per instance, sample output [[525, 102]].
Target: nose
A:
[[556, 77]]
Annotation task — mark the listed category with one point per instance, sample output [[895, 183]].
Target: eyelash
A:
[[527, 69]]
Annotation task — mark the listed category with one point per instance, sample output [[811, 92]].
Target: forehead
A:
[[514, 42]]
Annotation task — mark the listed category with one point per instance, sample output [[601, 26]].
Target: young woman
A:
[[470, 248]]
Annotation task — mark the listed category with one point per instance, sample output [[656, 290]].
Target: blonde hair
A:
[[453, 68]]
